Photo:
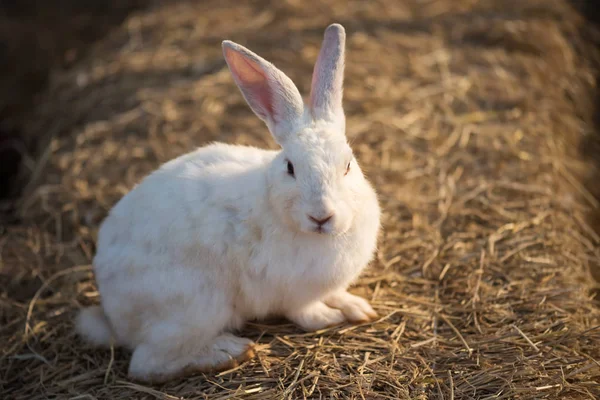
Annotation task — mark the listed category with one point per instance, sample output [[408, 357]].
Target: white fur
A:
[[92, 324], [223, 235]]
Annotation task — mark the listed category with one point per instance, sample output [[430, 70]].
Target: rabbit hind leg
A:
[[174, 359]]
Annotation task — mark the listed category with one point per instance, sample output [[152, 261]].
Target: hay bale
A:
[[466, 116]]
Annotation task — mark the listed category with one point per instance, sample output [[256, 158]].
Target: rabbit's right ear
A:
[[270, 93], [328, 76]]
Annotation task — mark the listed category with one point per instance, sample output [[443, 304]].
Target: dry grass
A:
[[466, 116]]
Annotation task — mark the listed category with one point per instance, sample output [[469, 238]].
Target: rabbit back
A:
[[165, 249]]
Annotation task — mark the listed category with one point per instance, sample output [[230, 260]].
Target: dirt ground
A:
[[475, 121]]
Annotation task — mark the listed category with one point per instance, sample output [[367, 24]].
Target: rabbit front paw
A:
[[316, 316], [355, 309]]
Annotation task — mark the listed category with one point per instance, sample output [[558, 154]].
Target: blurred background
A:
[[476, 120], [36, 38]]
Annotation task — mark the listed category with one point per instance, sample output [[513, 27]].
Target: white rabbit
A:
[[227, 234]]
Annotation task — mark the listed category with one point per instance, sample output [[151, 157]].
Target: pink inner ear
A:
[[253, 82], [313, 83]]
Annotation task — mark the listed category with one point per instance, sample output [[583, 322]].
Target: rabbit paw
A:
[[168, 361], [316, 316], [355, 309], [229, 351]]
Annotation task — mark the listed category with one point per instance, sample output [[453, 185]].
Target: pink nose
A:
[[320, 222]]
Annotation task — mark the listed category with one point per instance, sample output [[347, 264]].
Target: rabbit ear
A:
[[328, 75], [270, 93]]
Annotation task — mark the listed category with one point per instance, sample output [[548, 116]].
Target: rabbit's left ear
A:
[[270, 93], [328, 76]]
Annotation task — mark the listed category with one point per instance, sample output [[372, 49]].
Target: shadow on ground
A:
[[36, 37], [590, 144]]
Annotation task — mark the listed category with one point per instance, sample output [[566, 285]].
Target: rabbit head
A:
[[315, 183]]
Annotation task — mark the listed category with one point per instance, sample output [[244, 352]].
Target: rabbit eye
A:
[[347, 169], [290, 168]]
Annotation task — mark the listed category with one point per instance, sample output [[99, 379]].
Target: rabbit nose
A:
[[321, 221]]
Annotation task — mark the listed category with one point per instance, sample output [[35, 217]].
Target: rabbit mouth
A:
[[321, 230], [326, 230]]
